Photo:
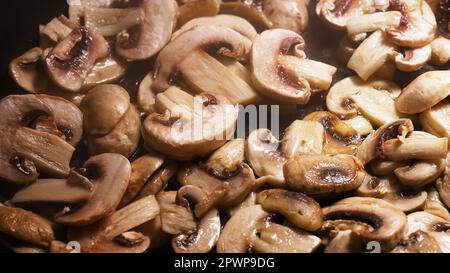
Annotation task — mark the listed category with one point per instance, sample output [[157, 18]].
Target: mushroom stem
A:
[[372, 22], [414, 148]]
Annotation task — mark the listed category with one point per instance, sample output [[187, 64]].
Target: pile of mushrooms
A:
[[85, 159]]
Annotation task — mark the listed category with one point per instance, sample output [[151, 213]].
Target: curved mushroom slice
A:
[[404, 199], [384, 167], [55, 31], [436, 120], [145, 95], [144, 40], [202, 239], [443, 184], [26, 226], [191, 126], [251, 10], [417, 26], [213, 39], [250, 200], [108, 175], [352, 94], [413, 59], [435, 226], [235, 236], [290, 14], [298, 208], [113, 235], [197, 8], [434, 205], [269, 74], [420, 173], [159, 180], [369, 218], [226, 160], [424, 92], [105, 71], [71, 60], [111, 21], [323, 175], [360, 124], [175, 219], [440, 51], [38, 134], [372, 22], [373, 186], [417, 242], [341, 138], [371, 55], [275, 238], [372, 146]]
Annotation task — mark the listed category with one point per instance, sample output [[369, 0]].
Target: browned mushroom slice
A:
[[38, 134], [417, 26], [417, 242], [321, 174], [70, 61], [440, 51], [424, 92], [421, 173], [370, 218], [443, 184], [109, 175], [269, 75], [159, 180], [197, 8], [113, 235], [175, 219], [298, 208], [235, 236], [436, 119], [345, 241], [144, 40], [153, 230], [251, 10], [25, 226], [373, 186], [435, 226], [372, 146], [226, 160], [340, 137], [405, 200]]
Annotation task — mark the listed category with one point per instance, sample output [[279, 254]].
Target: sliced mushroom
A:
[[70, 61], [370, 218], [197, 8], [340, 137], [146, 96], [153, 230], [159, 180], [345, 241], [111, 21], [384, 167], [371, 54], [424, 92], [251, 10], [191, 126], [226, 160], [413, 59], [175, 219], [287, 14], [435, 226], [301, 210], [269, 75], [406, 200], [250, 200], [360, 124], [38, 134], [113, 234], [443, 184], [55, 31], [373, 186], [440, 51], [275, 238], [436, 120], [420, 173], [435, 206], [147, 38], [372, 22], [235, 236], [26, 226], [418, 242], [108, 175], [106, 70]]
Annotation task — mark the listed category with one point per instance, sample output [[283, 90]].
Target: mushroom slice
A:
[[38, 134], [212, 39], [269, 74], [345, 241], [369, 218], [153, 230], [435, 206], [417, 242], [55, 31], [250, 200], [159, 180], [424, 92], [146, 96], [175, 219], [226, 160], [197, 8], [236, 23], [360, 124], [371, 54], [420, 173], [443, 184], [414, 59], [111, 21], [105, 71], [202, 239], [435, 226], [70, 61], [440, 51], [235, 236], [373, 186], [321, 174], [275, 238], [404, 199], [417, 26], [26, 226], [147, 38], [372, 146], [372, 22], [298, 208], [427, 148], [290, 14], [251, 10], [113, 235], [436, 120], [352, 94], [109, 175], [191, 126], [340, 137], [384, 167]]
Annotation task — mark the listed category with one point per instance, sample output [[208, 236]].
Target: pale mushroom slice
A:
[[440, 51], [323, 175], [372, 22], [113, 234], [197, 8], [225, 161], [360, 124], [424, 92], [413, 59], [341, 138], [385, 168], [251, 10], [189, 127], [147, 38], [111, 21], [435, 226], [26, 226], [55, 31], [235, 236], [417, 26], [369, 218], [276, 238], [287, 14], [434, 204], [443, 184], [417, 242], [106, 70], [421, 173], [39, 133], [436, 120], [373, 98], [371, 55], [145, 95], [71, 60], [299, 209], [270, 75], [158, 181]]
